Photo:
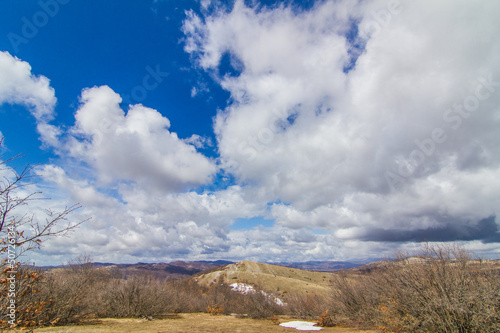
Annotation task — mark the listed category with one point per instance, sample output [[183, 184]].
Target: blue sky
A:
[[91, 43], [261, 130]]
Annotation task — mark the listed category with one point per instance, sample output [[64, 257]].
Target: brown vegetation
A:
[[81, 291], [326, 320], [441, 290]]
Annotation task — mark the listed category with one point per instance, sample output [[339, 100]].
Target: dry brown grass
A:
[[194, 322]]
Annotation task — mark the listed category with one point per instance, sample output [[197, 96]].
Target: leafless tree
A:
[[27, 231]]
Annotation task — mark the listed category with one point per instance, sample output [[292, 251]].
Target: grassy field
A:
[[192, 323]]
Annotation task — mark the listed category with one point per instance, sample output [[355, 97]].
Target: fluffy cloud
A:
[[141, 226], [19, 86], [357, 127], [361, 117], [135, 146]]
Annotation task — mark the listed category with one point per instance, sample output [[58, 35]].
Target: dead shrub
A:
[[440, 290], [61, 296], [305, 306], [326, 320], [140, 296], [215, 309], [220, 294], [73, 293], [187, 296], [355, 300], [259, 305]]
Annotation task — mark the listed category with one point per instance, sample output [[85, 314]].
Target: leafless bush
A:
[[258, 305], [440, 290], [355, 299], [136, 297], [219, 297], [306, 305], [188, 296], [254, 304], [74, 293], [443, 289], [83, 291], [61, 296]]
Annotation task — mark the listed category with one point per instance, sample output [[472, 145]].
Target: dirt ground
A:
[[188, 323]]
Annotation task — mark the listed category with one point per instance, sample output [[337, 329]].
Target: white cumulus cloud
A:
[[358, 127], [134, 146], [377, 115], [18, 85]]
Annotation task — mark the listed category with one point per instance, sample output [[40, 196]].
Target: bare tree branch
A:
[[30, 232]]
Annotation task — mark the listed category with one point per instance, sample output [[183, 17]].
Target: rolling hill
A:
[[274, 279]]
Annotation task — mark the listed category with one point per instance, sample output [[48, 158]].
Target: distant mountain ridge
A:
[[326, 266], [188, 266], [169, 271], [182, 269]]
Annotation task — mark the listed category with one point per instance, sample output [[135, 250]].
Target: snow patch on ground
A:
[[242, 288], [302, 326], [278, 301], [247, 289]]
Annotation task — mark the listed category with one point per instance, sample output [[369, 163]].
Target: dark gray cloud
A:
[[485, 230]]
